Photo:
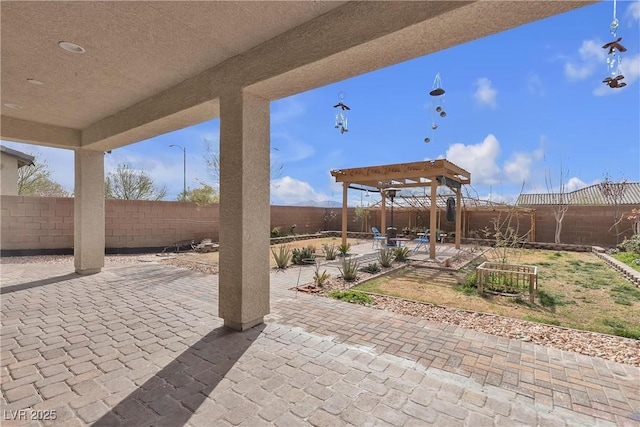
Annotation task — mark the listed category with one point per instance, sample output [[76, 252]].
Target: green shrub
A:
[[630, 244], [401, 254], [275, 232], [356, 297], [349, 269], [330, 251], [299, 255], [319, 279], [468, 286], [385, 257], [343, 249], [371, 268], [282, 256]]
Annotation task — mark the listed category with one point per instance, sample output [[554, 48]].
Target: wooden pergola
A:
[[406, 175]]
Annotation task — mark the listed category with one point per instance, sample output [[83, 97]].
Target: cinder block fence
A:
[[45, 224]]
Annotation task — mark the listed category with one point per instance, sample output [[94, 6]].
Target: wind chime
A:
[[341, 114], [614, 57], [436, 105]]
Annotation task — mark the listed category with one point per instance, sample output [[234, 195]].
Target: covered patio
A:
[[95, 76], [384, 178]]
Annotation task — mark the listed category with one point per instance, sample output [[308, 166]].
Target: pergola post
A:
[[532, 215], [432, 220], [345, 190], [383, 216], [458, 218]]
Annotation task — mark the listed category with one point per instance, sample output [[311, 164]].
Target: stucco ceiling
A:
[[152, 67]]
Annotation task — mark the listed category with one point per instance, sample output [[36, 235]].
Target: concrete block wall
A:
[[135, 224], [36, 222], [584, 225], [46, 223]]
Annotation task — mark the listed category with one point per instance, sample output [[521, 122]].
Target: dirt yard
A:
[[213, 258], [575, 290]]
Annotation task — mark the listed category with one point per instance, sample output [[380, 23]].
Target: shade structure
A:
[[431, 173]]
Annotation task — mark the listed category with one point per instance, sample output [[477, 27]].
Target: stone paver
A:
[[141, 344]]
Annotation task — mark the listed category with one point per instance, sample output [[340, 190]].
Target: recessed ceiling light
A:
[[35, 82], [71, 47], [14, 106]]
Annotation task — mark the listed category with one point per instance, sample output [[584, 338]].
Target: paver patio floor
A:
[[140, 345]]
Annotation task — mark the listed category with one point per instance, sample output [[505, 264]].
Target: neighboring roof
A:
[[23, 158], [424, 202], [586, 196]]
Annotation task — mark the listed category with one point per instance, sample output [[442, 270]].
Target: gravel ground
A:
[[608, 347]]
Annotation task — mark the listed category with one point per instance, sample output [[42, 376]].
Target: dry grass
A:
[[576, 290]]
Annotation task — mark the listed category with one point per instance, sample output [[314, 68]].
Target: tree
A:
[[361, 214], [35, 180], [212, 160], [613, 193], [204, 195], [127, 183], [560, 202]]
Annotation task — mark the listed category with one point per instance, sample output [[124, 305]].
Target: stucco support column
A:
[[88, 211], [244, 209], [345, 219], [458, 218], [433, 212]]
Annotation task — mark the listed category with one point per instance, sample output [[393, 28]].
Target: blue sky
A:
[[519, 104]]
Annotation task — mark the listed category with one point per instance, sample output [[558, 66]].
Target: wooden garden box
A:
[[507, 278]]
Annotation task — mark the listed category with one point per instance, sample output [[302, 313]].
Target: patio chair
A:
[[421, 241], [378, 238]]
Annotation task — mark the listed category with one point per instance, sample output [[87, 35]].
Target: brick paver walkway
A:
[[140, 345]]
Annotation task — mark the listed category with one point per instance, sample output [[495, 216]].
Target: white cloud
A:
[[499, 198], [291, 191], [479, 159], [591, 56], [518, 168], [630, 70], [535, 86], [574, 184], [485, 94], [633, 12]]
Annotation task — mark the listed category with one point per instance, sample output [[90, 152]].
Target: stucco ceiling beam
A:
[[14, 129]]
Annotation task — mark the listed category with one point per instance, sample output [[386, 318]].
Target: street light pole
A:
[[184, 169]]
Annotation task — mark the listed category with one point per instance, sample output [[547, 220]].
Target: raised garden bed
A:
[[507, 279]]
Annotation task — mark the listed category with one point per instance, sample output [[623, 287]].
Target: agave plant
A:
[[319, 279], [401, 254], [385, 257], [330, 252], [282, 256], [349, 269], [343, 249]]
